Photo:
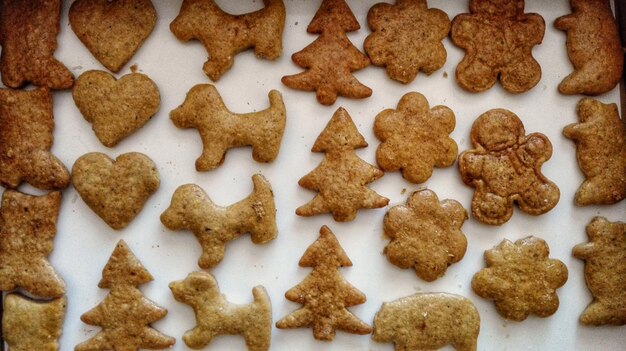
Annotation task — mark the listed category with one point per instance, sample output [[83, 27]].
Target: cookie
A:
[[112, 30], [29, 29], [498, 39], [415, 138], [341, 178], [425, 234], [407, 38], [216, 316], [116, 108], [214, 226], [27, 230], [428, 321], [504, 167], [605, 272], [26, 139], [521, 279], [600, 139], [31, 325], [221, 129], [225, 35], [330, 60], [125, 314], [324, 293], [115, 190], [593, 46]]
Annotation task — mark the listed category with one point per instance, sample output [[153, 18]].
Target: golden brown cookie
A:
[[27, 230], [26, 139], [28, 325], [600, 139], [29, 29], [498, 39], [504, 167], [115, 190], [330, 60], [406, 38], [324, 293], [605, 272], [221, 129], [216, 316], [116, 108], [428, 321], [593, 47], [521, 279], [425, 234], [225, 35], [214, 226], [112, 30], [125, 314], [415, 138], [341, 178]]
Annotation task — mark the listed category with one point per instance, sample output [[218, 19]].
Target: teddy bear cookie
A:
[[425, 234], [600, 139], [521, 279], [415, 138], [605, 272], [498, 38], [504, 167], [428, 321], [406, 38], [593, 46]]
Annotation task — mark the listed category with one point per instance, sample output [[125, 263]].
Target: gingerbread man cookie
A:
[[505, 167], [498, 38]]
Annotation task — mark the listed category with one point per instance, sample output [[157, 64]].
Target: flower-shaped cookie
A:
[[505, 167], [521, 279], [498, 38], [415, 138], [425, 234], [406, 38]]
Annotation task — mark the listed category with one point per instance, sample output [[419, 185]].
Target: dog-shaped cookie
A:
[[216, 316], [224, 35], [221, 129]]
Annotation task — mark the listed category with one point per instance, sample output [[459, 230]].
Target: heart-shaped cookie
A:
[[112, 30], [115, 190], [116, 108]]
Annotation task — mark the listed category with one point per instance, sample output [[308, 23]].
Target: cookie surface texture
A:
[[406, 38], [31, 325], [504, 167], [115, 190], [216, 316], [605, 272], [125, 314], [112, 30], [593, 46], [521, 279], [29, 29], [26, 138], [415, 138], [116, 108], [498, 38], [600, 137], [221, 129], [330, 60], [214, 226], [341, 178], [324, 293], [225, 35], [27, 231], [428, 321], [425, 234]]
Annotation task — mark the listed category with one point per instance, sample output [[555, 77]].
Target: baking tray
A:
[[84, 242]]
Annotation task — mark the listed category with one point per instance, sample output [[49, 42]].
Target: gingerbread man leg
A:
[[490, 208], [539, 198]]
